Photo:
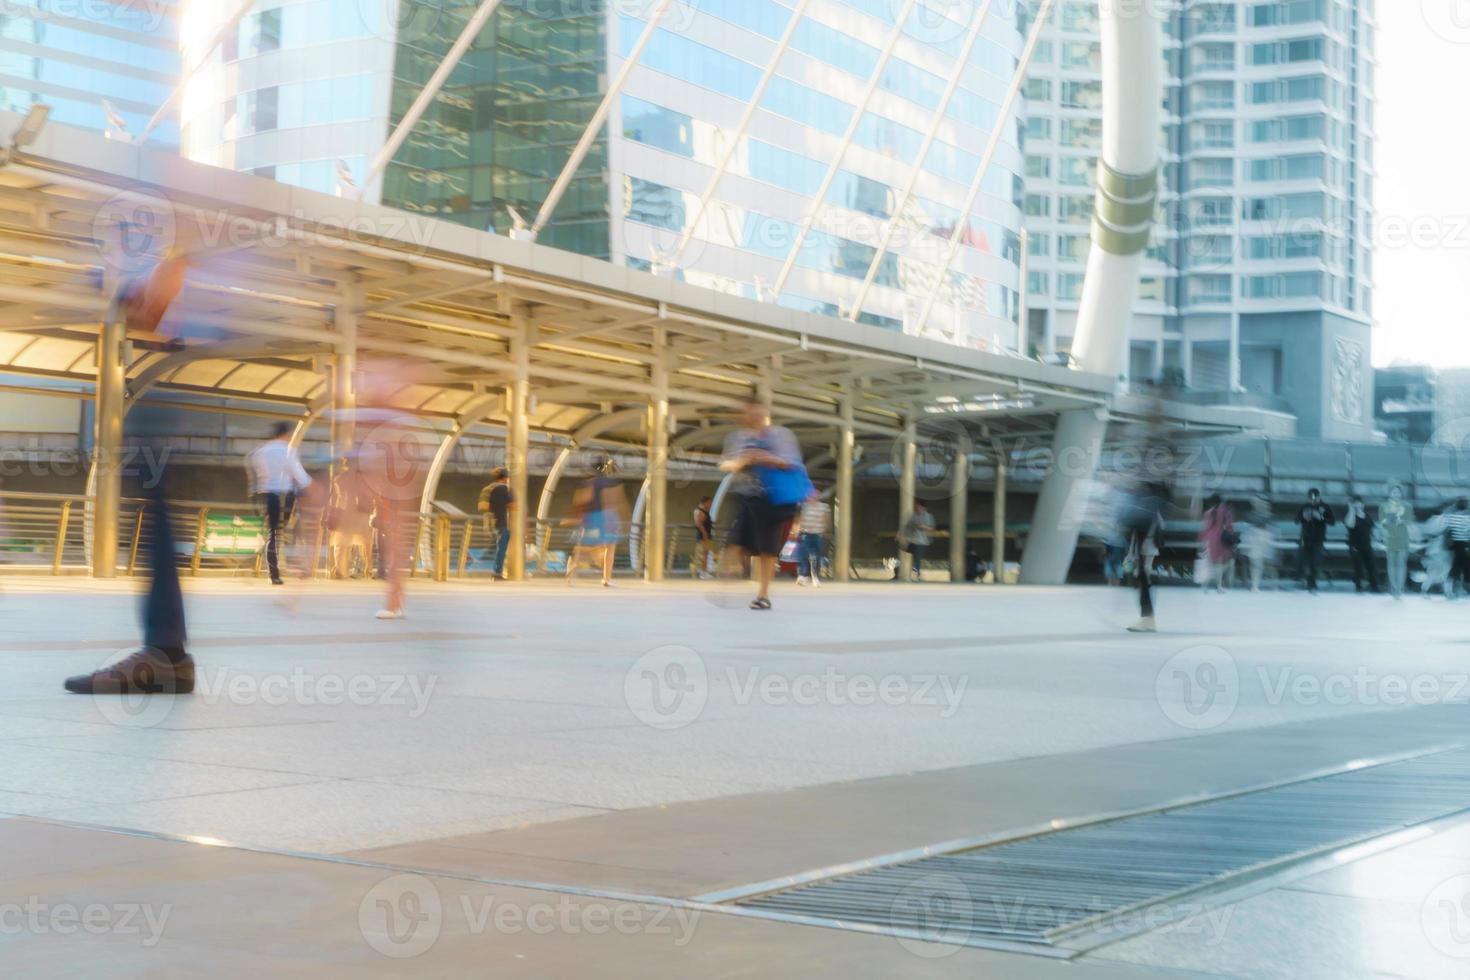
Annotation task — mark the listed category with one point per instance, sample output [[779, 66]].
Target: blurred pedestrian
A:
[[704, 538], [276, 478], [497, 501], [1218, 540], [1115, 550], [1394, 521], [1258, 540], [1361, 532], [1314, 519], [916, 536], [349, 520], [814, 523], [1142, 520], [1457, 525], [1438, 558], [161, 665], [769, 485], [600, 509]]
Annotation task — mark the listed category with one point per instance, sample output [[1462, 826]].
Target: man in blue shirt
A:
[[769, 485]]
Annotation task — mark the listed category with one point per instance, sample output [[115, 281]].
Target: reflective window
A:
[[757, 16], [784, 168], [644, 122], [795, 101], [676, 55], [835, 48]]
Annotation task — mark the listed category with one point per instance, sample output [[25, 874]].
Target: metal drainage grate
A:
[[1119, 875]]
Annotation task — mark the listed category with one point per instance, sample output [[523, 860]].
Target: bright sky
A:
[[1422, 299]]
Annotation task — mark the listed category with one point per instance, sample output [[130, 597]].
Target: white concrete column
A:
[[1234, 350], [908, 457], [518, 443], [843, 505], [107, 448], [1127, 194], [658, 474], [998, 522], [959, 514]]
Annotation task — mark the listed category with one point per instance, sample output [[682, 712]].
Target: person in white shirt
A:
[[276, 477]]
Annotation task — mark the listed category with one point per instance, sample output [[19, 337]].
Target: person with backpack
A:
[[769, 486], [1360, 531], [496, 503], [348, 519]]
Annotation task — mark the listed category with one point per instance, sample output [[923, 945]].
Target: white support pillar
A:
[[959, 515], [908, 450], [844, 509], [518, 443], [998, 521], [1235, 351], [456, 53], [107, 448], [1127, 194], [579, 152], [658, 469], [820, 198]]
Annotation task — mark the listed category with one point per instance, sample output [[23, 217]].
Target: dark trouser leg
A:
[[1145, 587], [1362, 569], [918, 552], [163, 606], [273, 534], [1311, 560]]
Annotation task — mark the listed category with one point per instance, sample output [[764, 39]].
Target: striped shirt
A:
[[1457, 522]]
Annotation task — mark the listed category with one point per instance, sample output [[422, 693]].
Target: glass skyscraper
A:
[[309, 83], [1258, 285], [82, 58]]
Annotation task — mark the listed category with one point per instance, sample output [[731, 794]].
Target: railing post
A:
[[61, 536], [199, 536], [441, 549], [464, 545], [137, 535]]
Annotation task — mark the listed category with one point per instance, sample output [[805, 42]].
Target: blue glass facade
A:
[[73, 57]]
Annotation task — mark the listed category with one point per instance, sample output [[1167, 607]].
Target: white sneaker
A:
[[816, 582], [390, 613], [801, 580], [1144, 625]]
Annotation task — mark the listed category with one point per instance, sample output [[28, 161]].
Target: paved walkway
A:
[[637, 747]]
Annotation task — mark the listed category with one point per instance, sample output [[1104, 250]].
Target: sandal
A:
[[761, 604]]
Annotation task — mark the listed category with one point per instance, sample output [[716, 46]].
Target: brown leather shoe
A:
[[143, 671]]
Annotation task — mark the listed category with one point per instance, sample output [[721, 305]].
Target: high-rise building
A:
[[1258, 285], [105, 64], [306, 85]]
